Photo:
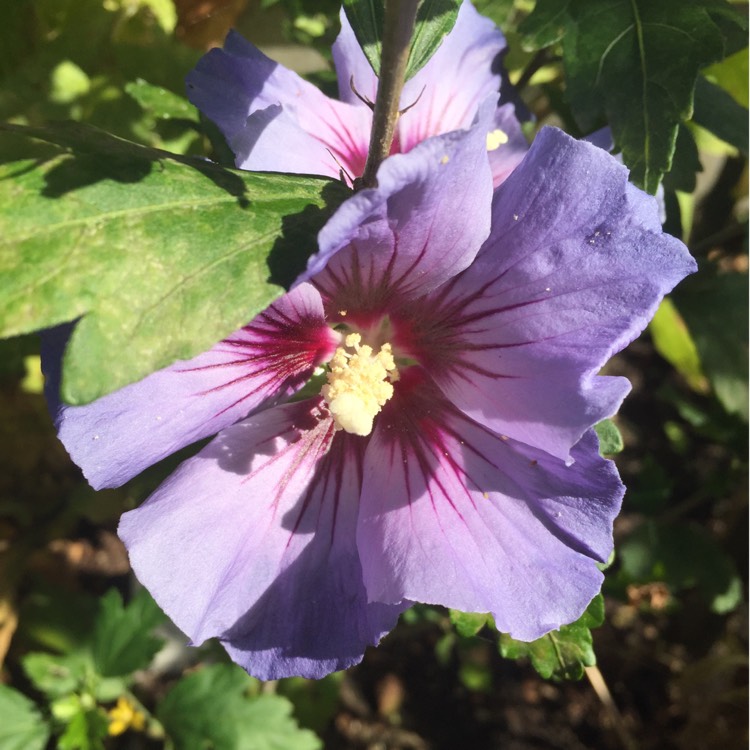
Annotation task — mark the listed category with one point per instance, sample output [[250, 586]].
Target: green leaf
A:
[[610, 439], [189, 714], [562, 654], [732, 75], [160, 256], [672, 340], [719, 113], [161, 103], [435, 19], [266, 723], [683, 556], [686, 162], [498, 11], [633, 64], [122, 639], [315, 701], [55, 675], [56, 619], [714, 307], [366, 19], [21, 725], [468, 624], [545, 25], [86, 730]]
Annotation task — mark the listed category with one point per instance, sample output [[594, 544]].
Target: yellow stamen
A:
[[125, 716], [496, 138], [359, 384]]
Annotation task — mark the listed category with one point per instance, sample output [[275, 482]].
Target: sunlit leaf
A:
[[562, 654], [435, 19], [366, 19], [160, 256], [86, 730], [468, 624], [123, 640], [633, 64], [720, 114], [190, 714], [672, 340], [55, 674], [732, 75], [161, 103], [21, 725], [610, 439]]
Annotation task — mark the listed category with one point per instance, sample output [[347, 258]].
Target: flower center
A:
[[359, 384]]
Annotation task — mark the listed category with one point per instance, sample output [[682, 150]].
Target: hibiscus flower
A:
[[442, 450], [276, 121]]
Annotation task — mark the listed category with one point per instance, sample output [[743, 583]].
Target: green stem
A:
[[398, 28]]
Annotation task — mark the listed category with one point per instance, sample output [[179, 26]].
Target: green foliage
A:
[[714, 307], [732, 75], [122, 640], [161, 103], [435, 19], [673, 341], [85, 730], [54, 674], [21, 725], [562, 654], [59, 620], [315, 701], [366, 20], [211, 708], [610, 439], [468, 624], [718, 112], [546, 25], [48, 72], [683, 556], [97, 668], [632, 64], [214, 246]]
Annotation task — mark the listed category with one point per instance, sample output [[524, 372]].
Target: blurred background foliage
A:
[[88, 661]]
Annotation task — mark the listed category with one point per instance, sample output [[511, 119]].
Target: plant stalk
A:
[[398, 28]]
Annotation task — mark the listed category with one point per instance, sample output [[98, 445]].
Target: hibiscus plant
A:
[[361, 338]]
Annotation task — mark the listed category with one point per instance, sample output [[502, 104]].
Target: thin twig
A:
[[597, 681]]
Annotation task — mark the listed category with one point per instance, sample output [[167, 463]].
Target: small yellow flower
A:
[[125, 716]]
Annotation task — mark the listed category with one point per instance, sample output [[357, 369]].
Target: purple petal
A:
[[352, 67], [574, 269], [423, 224], [504, 158], [229, 85], [454, 515], [253, 541], [450, 88], [115, 437], [273, 141]]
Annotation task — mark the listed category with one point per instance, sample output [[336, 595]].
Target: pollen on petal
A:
[[359, 384], [496, 138]]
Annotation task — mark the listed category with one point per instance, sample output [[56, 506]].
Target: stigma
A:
[[359, 384]]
